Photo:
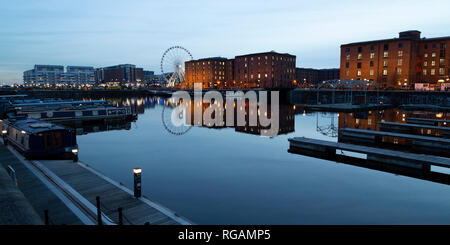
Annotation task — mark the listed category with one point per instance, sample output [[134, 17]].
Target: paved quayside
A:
[[40, 192]]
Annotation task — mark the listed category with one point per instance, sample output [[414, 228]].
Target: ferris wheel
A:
[[172, 64]]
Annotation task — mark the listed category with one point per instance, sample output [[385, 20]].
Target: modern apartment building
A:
[[79, 75], [398, 63], [55, 75]]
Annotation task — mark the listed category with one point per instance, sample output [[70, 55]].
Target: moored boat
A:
[[72, 110], [37, 139]]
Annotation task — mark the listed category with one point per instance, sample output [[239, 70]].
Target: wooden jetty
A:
[[411, 128], [417, 173], [344, 107], [405, 159], [84, 184], [426, 107], [419, 143], [426, 121]]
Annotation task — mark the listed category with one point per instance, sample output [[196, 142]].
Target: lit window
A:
[[371, 72], [386, 54], [372, 55], [359, 56], [400, 53], [432, 72], [425, 55], [385, 72], [346, 73], [433, 54], [399, 71], [348, 57], [358, 73], [441, 71], [424, 72], [433, 63], [425, 63], [400, 62], [385, 63]]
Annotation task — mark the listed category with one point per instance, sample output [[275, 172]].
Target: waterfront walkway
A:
[[14, 207]]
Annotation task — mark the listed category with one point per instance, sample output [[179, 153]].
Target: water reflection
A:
[[228, 175], [398, 122], [83, 128]]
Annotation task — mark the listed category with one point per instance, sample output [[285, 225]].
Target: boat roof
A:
[[13, 96], [33, 126], [61, 103]]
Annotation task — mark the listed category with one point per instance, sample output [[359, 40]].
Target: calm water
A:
[[220, 176]]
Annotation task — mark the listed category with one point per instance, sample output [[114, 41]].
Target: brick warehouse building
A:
[[262, 70], [212, 72], [398, 63]]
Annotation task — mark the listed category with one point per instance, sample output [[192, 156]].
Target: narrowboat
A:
[[72, 110], [37, 140]]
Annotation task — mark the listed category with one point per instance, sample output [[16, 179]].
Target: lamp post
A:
[[4, 132], [75, 155], [137, 182]]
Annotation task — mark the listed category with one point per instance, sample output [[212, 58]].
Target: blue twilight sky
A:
[[109, 32]]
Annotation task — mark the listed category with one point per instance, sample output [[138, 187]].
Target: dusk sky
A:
[[107, 32]]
